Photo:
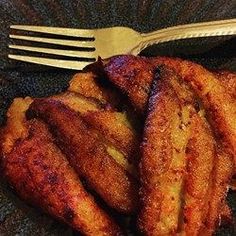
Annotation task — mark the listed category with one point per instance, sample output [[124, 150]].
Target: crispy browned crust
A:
[[201, 149], [200, 154], [175, 199], [15, 126], [219, 104], [228, 80], [85, 149], [85, 84], [222, 173], [163, 161], [115, 127], [41, 175], [133, 75], [78, 102], [183, 190], [88, 85]]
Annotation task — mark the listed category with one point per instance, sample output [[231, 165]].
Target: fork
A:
[[107, 42]]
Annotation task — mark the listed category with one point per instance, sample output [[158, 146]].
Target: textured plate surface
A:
[[20, 79]]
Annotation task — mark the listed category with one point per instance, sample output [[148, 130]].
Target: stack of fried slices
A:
[[147, 137]]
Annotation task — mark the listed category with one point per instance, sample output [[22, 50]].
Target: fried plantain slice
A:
[[163, 161], [198, 174], [87, 152], [133, 76], [219, 104], [114, 126], [16, 123], [85, 84], [42, 176]]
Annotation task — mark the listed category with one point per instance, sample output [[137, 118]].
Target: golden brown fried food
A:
[[41, 175], [88, 85], [163, 162], [219, 104], [117, 130], [228, 80], [177, 162], [78, 102], [87, 152], [200, 154], [127, 71], [133, 75], [185, 167], [201, 162], [15, 127], [114, 126], [222, 81], [222, 174]]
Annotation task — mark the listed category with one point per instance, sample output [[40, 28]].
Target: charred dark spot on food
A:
[[68, 213], [196, 106], [152, 90], [42, 165], [157, 73], [52, 178], [131, 74], [30, 114], [185, 219], [177, 150]]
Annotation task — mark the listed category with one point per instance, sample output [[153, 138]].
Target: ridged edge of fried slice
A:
[[163, 161], [78, 102]]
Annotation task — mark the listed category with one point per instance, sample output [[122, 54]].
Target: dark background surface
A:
[[21, 79]]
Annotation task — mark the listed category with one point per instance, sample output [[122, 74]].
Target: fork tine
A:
[[60, 52], [73, 43], [73, 65], [56, 30]]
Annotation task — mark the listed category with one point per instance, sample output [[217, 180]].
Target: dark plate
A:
[[20, 79]]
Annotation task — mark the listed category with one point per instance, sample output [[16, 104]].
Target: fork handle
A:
[[195, 30]]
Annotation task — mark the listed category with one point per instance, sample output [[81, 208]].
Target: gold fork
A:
[[107, 42]]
